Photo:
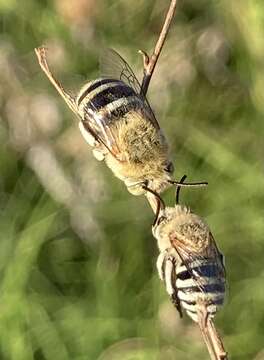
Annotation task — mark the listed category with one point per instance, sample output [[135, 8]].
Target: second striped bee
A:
[[192, 268], [190, 262]]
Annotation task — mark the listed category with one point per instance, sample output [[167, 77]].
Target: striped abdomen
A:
[[205, 286], [111, 97]]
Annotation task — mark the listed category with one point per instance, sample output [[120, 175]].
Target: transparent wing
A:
[[102, 134], [200, 266], [218, 256], [112, 65]]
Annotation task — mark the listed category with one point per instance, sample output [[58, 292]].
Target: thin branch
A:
[[152, 201], [42, 59], [213, 341], [217, 341], [208, 344], [150, 62]]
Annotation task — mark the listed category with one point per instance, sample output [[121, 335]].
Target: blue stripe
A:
[[207, 288], [203, 270]]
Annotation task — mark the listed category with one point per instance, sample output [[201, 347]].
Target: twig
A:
[[217, 341], [208, 344], [213, 341], [150, 62], [42, 59]]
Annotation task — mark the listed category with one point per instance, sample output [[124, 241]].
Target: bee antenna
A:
[[178, 188], [181, 184], [160, 203]]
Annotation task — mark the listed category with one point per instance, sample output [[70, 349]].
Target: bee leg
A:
[[98, 155], [169, 270], [174, 297], [88, 137], [160, 264], [166, 265], [166, 269], [176, 302]]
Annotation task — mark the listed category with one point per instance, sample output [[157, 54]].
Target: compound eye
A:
[[169, 168]]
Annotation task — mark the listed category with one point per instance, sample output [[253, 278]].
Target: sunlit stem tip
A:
[[145, 59]]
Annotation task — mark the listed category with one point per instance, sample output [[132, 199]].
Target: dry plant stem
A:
[[213, 341], [42, 59], [152, 201], [217, 341], [208, 344], [150, 63]]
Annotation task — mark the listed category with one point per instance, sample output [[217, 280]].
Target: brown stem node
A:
[[145, 59]]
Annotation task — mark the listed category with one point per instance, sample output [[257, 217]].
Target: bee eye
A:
[[169, 168], [160, 219]]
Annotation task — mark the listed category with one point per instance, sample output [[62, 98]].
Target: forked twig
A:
[[42, 59], [70, 101], [150, 62]]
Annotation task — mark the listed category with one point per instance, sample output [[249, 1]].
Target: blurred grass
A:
[[77, 259]]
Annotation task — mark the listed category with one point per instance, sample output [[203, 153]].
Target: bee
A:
[[191, 265], [119, 124]]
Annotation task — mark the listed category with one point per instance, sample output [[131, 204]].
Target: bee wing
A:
[[102, 134], [219, 257], [112, 65], [192, 260]]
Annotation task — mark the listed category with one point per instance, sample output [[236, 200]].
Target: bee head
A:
[[169, 168]]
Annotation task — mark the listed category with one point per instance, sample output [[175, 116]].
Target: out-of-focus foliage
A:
[[77, 259]]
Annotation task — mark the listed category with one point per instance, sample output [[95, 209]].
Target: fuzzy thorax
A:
[[188, 228], [143, 150]]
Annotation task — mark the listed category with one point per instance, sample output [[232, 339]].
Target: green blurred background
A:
[[77, 259]]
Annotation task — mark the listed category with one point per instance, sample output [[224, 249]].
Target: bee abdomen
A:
[[202, 285], [94, 87], [113, 97]]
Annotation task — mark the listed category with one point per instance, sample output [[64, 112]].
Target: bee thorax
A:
[[187, 227], [143, 152], [142, 142]]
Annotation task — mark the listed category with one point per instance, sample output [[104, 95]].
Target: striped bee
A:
[[119, 124], [189, 263]]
